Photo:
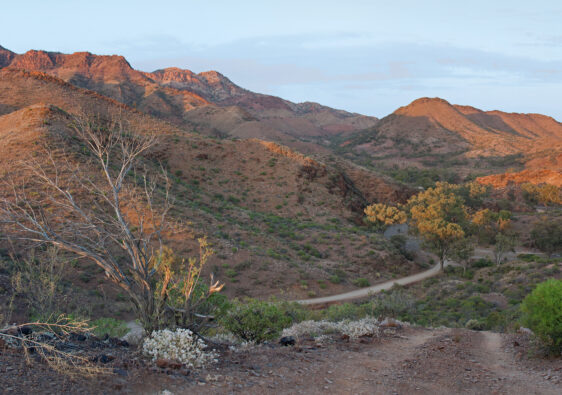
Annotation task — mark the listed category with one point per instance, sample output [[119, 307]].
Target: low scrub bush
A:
[[335, 279], [109, 326], [39, 281], [361, 282], [547, 236], [181, 346], [367, 326], [343, 311], [395, 304], [542, 313], [474, 325], [482, 262], [256, 321]]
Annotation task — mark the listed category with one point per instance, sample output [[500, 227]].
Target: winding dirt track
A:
[[363, 292], [360, 293]]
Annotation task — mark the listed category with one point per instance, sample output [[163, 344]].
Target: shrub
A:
[[399, 242], [542, 313], [367, 326], [338, 312], [361, 282], [255, 320], [474, 325], [39, 281], [110, 326], [181, 346], [547, 236], [335, 279], [181, 299], [482, 262], [544, 194], [394, 304]]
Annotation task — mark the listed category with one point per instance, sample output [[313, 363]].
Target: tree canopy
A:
[[382, 215], [440, 216]]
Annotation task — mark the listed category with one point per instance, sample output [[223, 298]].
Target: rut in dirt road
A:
[[462, 361]]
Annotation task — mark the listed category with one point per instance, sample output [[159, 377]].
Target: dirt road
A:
[[363, 292], [409, 361]]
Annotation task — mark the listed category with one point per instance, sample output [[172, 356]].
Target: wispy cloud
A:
[[351, 71]]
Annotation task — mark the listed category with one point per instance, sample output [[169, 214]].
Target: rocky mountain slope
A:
[[211, 104], [434, 127], [533, 176], [207, 102], [277, 218]]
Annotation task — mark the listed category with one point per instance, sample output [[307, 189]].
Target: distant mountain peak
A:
[[6, 56], [429, 100], [426, 106]]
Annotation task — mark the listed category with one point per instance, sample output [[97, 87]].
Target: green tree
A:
[[542, 313], [547, 236], [462, 251]]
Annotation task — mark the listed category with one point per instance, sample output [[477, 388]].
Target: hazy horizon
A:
[[359, 56]]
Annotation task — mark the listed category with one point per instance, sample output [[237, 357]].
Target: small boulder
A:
[[102, 358], [77, 337], [168, 364], [135, 335], [525, 331], [25, 330], [287, 341], [120, 372]]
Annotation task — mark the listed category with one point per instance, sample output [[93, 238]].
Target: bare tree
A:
[[462, 252], [505, 243], [98, 203]]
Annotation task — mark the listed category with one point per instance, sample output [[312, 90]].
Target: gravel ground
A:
[[401, 361]]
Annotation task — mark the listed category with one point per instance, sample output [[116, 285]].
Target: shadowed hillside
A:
[[274, 216]]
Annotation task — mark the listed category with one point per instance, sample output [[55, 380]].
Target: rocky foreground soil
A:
[[400, 361]]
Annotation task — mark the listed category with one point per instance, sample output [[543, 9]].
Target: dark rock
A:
[[25, 330], [97, 344], [114, 341], [102, 358], [45, 337], [77, 337], [120, 372], [66, 346], [287, 341]]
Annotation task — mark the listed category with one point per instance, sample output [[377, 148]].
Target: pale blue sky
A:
[[364, 56]]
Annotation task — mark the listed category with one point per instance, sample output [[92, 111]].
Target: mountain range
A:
[[207, 102], [275, 185], [211, 104]]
